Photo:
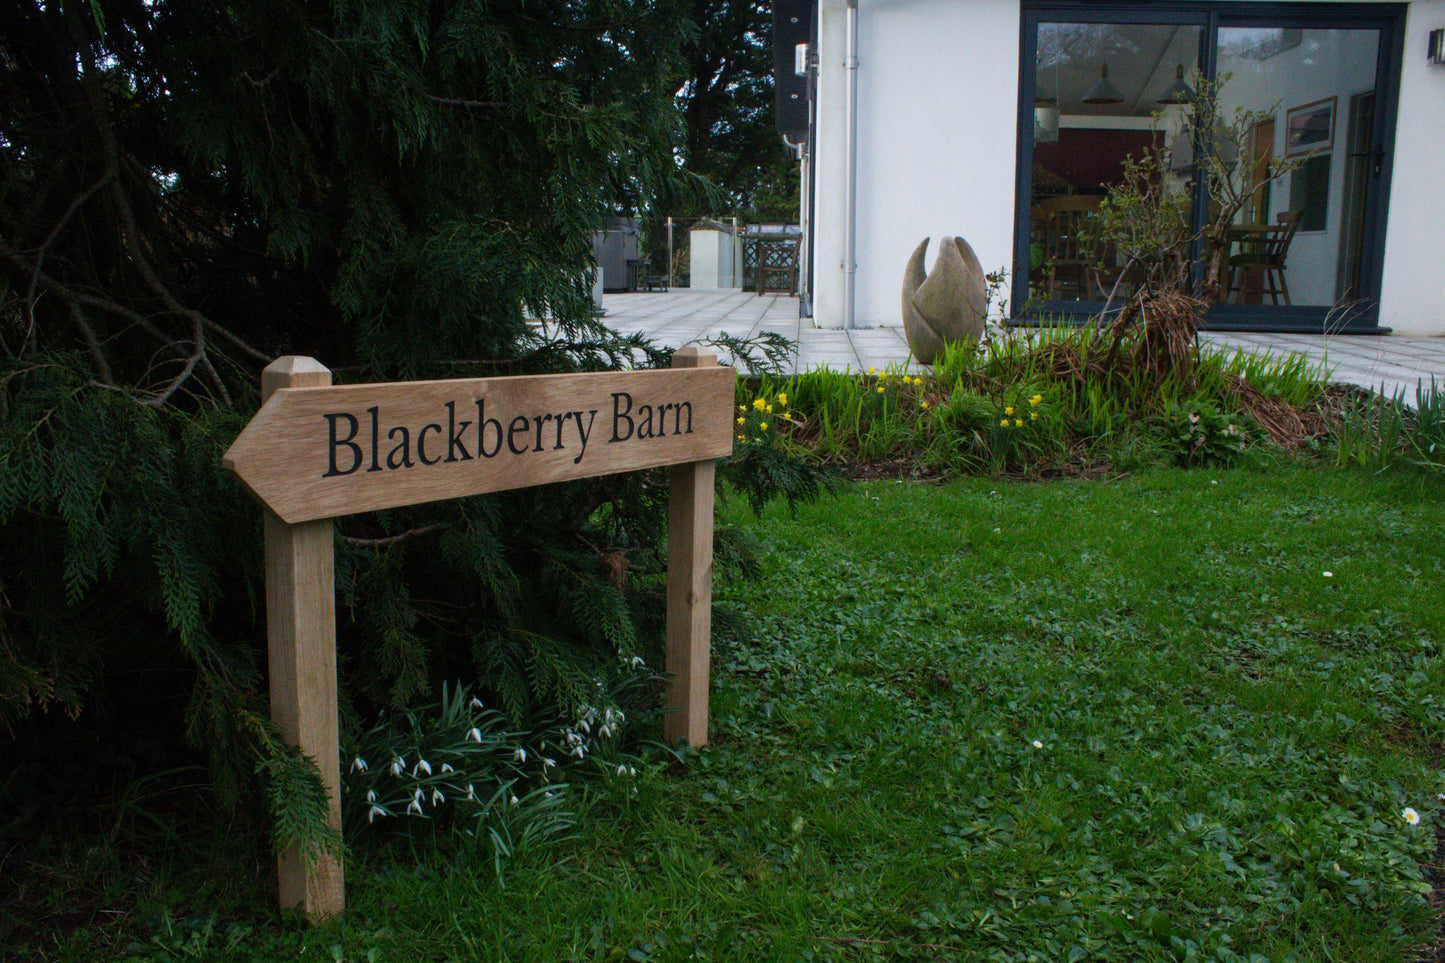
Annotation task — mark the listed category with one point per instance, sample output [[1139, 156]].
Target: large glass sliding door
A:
[[1106, 84]]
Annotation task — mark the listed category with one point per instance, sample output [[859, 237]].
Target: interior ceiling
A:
[[1141, 58]]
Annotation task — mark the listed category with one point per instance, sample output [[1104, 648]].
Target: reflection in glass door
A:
[[1104, 92], [1294, 245], [1317, 83]]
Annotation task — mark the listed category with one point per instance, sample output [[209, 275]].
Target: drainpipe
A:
[[850, 176]]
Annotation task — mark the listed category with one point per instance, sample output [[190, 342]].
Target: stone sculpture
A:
[[949, 304]]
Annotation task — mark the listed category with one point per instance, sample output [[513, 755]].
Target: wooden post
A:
[[301, 631], [689, 585]]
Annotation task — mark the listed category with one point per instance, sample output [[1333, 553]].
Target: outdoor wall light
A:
[[1103, 92], [1179, 92], [1436, 54]]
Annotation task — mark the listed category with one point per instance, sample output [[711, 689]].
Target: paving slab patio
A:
[[1390, 364]]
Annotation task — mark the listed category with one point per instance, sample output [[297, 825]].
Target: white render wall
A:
[[1412, 299], [937, 138], [937, 148]]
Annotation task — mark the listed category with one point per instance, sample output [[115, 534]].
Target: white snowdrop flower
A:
[[373, 812], [632, 772], [359, 765], [622, 770], [398, 765], [422, 766], [585, 726], [1038, 745], [371, 795], [637, 662], [548, 763], [513, 801], [416, 795], [437, 797], [547, 795], [520, 755], [605, 732], [471, 793], [573, 738], [447, 767], [1410, 816], [415, 807], [474, 734], [580, 751], [476, 703]]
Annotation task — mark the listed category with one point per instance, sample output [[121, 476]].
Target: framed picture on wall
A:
[[1310, 128]]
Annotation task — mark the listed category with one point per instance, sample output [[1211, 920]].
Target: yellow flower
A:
[[759, 404], [1003, 424], [769, 409], [763, 426], [1036, 399], [1018, 422], [923, 404], [788, 415], [872, 371], [742, 420], [1033, 416], [782, 398], [742, 437], [1009, 410], [879, 389]]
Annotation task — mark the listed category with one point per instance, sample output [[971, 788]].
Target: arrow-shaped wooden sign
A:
[[314, 453]]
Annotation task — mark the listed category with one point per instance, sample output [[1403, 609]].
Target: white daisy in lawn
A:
[[1328, 574], [1410, 816], [1038, 745]]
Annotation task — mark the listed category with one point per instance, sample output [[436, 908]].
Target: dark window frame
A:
[[1387, 18]]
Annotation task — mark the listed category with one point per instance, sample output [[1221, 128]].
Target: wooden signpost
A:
[[317, 451]]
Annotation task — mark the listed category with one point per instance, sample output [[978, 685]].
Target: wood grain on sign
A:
[[313, 453]]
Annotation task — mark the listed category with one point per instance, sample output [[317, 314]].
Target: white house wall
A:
[[937, 134], [1413, 289], [937, 142]]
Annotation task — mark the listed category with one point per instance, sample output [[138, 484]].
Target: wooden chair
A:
[[1258, 269], [1065, 253]]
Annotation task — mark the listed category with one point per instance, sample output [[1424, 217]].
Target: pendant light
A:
[[1179, 92], [1103, 92]]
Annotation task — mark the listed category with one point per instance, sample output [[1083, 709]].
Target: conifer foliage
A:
[[189, 189]]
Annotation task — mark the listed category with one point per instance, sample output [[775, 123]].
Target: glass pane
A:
[[1103, 92], [1297, 232]]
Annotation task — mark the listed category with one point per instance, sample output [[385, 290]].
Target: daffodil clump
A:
[[762, 420]]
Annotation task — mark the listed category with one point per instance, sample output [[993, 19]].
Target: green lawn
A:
[[1178, 715]]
